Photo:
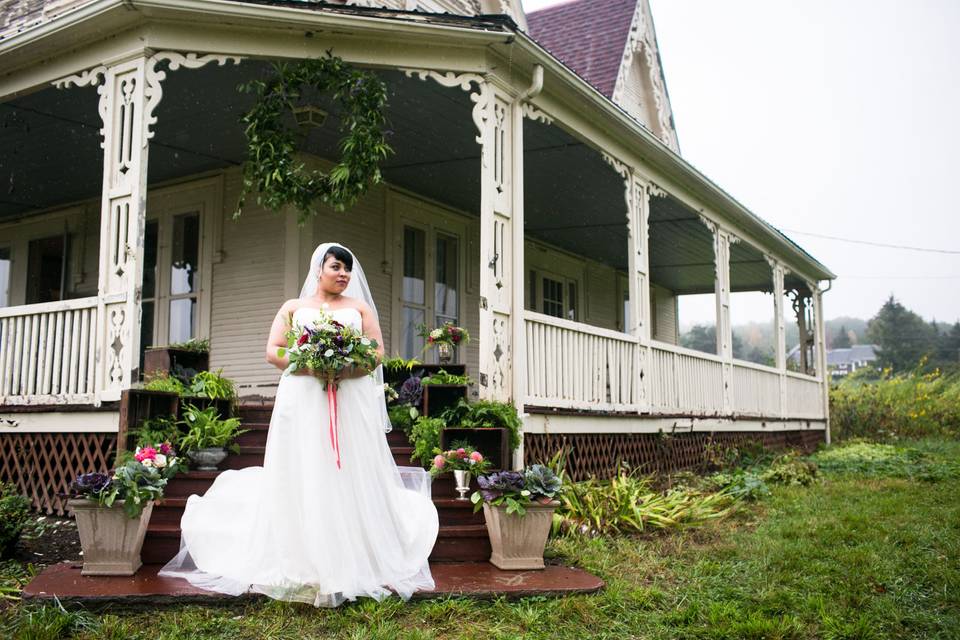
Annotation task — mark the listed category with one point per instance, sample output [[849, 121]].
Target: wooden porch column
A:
[[130, 89], [124, 110], [501, 169], [721, 255], [780, 332], [637, 197], [820, 347]]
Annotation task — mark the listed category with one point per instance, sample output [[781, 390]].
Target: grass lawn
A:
[[859, 554]]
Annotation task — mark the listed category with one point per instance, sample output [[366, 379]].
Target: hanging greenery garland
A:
[[270, 168]]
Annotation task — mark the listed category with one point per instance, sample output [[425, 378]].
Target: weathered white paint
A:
[[575, 365], [60, 422], [804, 396], [48, 352], [755, 390], [548, 423], [685, 381]]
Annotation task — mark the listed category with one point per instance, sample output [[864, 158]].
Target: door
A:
[[430, 280], [177, 264]]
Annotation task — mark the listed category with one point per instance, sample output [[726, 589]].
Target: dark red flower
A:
[[303, 339]]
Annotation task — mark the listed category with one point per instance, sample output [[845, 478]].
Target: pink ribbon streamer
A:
[[334, 420]]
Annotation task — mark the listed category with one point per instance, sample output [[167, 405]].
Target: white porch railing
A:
[[804, 396], [577, 366], [755, 389], [571, 365], [48, 352], [685, 381]]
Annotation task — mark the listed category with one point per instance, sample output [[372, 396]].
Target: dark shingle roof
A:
[[588, 36]]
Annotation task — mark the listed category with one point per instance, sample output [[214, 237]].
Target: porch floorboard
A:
[[479, 580]]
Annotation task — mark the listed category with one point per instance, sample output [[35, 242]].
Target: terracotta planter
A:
[[518, 541], [110, 540]]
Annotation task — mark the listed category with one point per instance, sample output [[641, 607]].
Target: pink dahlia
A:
[[146, 453], [476, 456], [438, 461]]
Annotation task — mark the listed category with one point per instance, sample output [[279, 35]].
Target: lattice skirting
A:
[[597, 454], [43, 465]]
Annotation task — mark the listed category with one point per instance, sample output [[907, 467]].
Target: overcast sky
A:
[[833, 118]]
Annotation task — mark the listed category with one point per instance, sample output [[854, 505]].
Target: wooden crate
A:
[[137, 405], [493, 443]]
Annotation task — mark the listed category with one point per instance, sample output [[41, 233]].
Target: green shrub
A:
[[911, 405], [485, 413], [14, 513], [442, 377], [791, 469], [425, 438]]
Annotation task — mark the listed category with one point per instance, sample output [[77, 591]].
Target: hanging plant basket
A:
[[271, 170]]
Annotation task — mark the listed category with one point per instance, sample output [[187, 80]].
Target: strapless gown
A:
[[300, 529]]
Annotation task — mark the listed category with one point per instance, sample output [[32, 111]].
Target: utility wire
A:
[[874, 244]]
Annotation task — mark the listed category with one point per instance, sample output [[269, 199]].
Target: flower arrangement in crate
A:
[[518, 508], [444, 338], [463, 460]]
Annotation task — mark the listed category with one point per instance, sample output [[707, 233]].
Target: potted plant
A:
[[212, 389], [444, 338], [208, 437], [181, 360], [488, 425], [463, 460], [112, 511], [518, 507]]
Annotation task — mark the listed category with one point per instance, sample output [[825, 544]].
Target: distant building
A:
[[841, 362]]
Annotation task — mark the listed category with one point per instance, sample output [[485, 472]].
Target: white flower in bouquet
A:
[[160, 461], [365, 341], [436, 333], [328, 353]]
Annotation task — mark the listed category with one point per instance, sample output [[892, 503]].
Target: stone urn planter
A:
[[207, 459], [518, 541], [111, 541]]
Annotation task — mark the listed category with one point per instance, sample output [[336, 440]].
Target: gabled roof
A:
[[588, 36]]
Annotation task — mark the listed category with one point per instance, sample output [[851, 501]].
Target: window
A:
[[47, 269], [4, 276], [414, 288], [554, 295], [184, 276]]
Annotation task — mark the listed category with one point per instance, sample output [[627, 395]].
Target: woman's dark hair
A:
[[340, 254]]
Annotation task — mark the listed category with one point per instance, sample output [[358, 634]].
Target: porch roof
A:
[[90, 21]]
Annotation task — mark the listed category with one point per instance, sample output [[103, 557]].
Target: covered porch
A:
[[507, 207]]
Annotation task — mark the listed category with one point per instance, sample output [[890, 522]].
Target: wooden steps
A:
[[463, 534]]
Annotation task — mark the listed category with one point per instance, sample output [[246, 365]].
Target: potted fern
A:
[[208, 437]]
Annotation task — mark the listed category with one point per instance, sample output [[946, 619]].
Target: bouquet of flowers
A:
[[449, 334], [517, 489], [329, 347], [137, 481], [462, 458]]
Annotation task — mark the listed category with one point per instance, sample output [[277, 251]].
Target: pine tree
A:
[[902, 337], [842, 339]]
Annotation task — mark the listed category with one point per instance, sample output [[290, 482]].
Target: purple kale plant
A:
[[90, 484], [500, 483], [411, 391]]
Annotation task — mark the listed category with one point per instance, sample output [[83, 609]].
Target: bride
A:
[[300, 528]]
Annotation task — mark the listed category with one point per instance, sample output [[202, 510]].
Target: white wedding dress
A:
[[298, 528]]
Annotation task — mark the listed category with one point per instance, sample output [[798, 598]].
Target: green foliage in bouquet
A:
[[133, 482], [205, 429], [14, 513], [425, 438], [485, 413]]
